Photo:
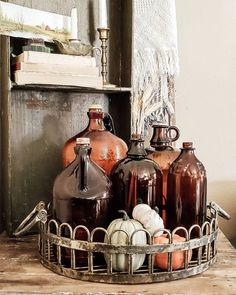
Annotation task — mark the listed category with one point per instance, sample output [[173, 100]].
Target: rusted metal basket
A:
[[55, 239]]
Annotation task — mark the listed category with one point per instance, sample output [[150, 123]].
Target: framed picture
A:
[[24, 22]]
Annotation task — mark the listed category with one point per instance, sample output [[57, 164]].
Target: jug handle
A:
[[109, 123], [176, 133], [39, 213], [84, 173]]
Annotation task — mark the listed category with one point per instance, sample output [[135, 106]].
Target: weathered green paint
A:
[[5, 119], [1, 198], [40, 124]]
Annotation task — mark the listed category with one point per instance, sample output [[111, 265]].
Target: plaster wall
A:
[[206, 94]]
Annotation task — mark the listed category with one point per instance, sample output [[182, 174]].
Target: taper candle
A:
[[74, 24], [103, 14]]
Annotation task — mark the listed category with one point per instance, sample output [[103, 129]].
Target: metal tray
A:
[[53, 242]]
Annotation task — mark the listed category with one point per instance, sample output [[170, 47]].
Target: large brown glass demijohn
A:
[[82, 195], [136, 179], [186, 191], [107, 148], [163, 154]]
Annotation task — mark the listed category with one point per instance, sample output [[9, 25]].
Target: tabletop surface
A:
[[22, 273]]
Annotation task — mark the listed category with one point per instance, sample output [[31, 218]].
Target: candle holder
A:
[[103, 36]]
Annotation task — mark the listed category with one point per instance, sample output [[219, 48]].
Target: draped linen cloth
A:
[[155, 61]]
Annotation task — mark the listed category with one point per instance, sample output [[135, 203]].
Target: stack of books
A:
[[32, 67]]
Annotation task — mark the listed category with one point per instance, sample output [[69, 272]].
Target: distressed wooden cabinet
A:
[[37, 120]]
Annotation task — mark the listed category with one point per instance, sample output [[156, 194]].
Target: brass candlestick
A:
[[103, 36]]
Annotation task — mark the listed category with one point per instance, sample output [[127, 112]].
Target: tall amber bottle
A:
[[163, 154], [107, 148], [82, 194], [186, 190], [136, 179]]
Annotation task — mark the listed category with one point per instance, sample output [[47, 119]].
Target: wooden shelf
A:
[[62, 88]]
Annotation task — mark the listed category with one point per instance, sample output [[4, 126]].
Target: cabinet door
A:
[[41, 122]]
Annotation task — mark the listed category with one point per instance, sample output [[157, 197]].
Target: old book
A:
[[53, 58], [56, 68], [23, 77]]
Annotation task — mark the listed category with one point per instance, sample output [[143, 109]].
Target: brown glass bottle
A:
[[186, 190], [82, 194], [107, 148], [163, 154], [136, 179]]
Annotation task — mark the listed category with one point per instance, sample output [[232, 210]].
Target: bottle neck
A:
[[187, 151], [160, 140], [82, 150], [136, 149], [96, 120]]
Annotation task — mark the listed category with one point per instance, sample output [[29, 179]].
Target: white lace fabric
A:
[[155, 58]]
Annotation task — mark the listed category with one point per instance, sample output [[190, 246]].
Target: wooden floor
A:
[[22, 273]]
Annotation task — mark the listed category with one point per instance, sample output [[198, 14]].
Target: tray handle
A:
[[39, 213], [218, 210]]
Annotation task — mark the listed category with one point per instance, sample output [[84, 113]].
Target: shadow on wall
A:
[[224, 194], [36, 165], [41, 159]]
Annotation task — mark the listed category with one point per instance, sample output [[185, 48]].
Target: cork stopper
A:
[[187, 145], [95, 107], [136, 136], [82, 140]]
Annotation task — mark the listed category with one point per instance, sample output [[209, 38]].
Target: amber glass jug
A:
[[82, 194], [163, 154], [136, 179], [107, 148], [186, 190]]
